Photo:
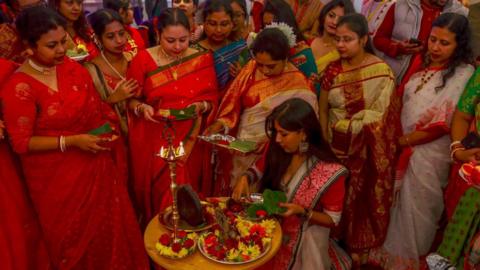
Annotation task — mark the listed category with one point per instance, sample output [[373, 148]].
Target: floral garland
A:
[[184, 245], [287, 31]]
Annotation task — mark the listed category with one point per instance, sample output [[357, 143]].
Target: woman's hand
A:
[[214, 128], [147, 111], [87, 142], [2, 130], [200, 107], [467, 155], [292, 209], [241, 188], [234, 68], [125, 89]]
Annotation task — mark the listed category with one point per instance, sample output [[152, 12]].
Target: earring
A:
[[303, 147]]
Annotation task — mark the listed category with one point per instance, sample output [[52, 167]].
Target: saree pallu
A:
[[81, 198], [247, 103], [307, 246], [195, 83], [419, 206], [134, 43], [306, 13], [302, 58], [461, 238], [363, 129], [228, 55], [10, 43], [20, 231]]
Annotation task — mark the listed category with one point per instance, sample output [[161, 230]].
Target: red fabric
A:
[[81, 198], [10, 44], [136, 37], [21, 240], [91, 47], [455, 189], [333, 198], [383, 39], [256, 13], [195, 82]]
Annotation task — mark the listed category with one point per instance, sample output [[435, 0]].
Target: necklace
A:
[[41, 69], [111, 66], [425, 79], [173, 71]]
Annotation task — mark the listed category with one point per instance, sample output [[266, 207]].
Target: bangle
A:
[[452, 153], [407, 141], [205, 106], [62, 145], [307, 214], [455, 144], [137, 109]]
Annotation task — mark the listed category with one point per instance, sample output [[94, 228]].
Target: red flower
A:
[[231, 243], [258, 230], [165, 239], [261, 213], [221, 253], [210, 240], [176, 247], [181, 234], [245, 257], [188, 243]]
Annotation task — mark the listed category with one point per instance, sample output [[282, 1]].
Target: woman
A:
[[262, 84], [323, 46], [306, 13], [76, 186], [359, 117], [429, 99], [79, 34], [109, 69], [189, 7], [218, 26], [375, 12], [19, 230], [313, 181], [173, 79], [241, 29], [301, 54], [135, 41]]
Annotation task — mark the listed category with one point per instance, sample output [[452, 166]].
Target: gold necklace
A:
[[425, 79], [42, 69], [171, 60], [111, 66]]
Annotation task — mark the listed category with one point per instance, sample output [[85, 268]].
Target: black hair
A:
[[273, 42], [116, 5], [80, 26], [33, 22], [347, 9], [242, 4], [170, 17], [212, 6], [282, 12], [293, 115], [463, 54], [101, 18], [195, 2], [358, 24]]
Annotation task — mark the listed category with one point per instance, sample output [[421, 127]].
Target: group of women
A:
[[362, 160]]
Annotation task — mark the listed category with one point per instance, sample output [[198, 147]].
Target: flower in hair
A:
[[287, 30]]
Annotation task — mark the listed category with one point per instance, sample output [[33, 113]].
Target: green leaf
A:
[[253, 208], [103, 129], [271, 199], [243, 146], [183, 114]]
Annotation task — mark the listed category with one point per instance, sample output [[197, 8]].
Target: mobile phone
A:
[[471, 140], [415, 41]]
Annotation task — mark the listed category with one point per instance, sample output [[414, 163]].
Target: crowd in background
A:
[[362, 112]]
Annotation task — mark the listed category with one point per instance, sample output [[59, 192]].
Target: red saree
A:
[[81, 198], [20, 232], [364, 126], [195, 82], [10, 43], [134, 43]]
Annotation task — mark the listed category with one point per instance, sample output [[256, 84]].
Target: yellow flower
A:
[[232, 255], [81, 48], [269, 225]]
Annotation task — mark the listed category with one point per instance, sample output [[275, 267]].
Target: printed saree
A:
[[194, 82], [363, 117], [81, 198]]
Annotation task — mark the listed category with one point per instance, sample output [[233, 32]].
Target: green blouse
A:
[[469, 102]]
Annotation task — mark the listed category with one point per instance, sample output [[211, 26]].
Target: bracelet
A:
[[454, 144], [62, 145], [452, 153], [307, 214]]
